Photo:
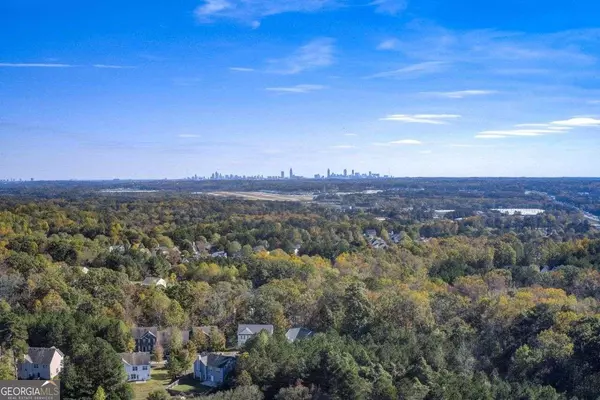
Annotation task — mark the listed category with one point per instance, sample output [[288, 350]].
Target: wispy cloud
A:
[[350, 134], [388, 44], [297, 89], [490, 136], [392, 7], [425, 152], [428, 67], [109, 66], [315, 54], [241, 69], [35, 65], [518, 132], [343, 147], [401, 142], [460, 94], [188, 135], [433, 119], [251, 11], [578, 122], [541, 129]]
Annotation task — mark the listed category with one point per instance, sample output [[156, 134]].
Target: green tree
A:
[[160, 394], [158, 353], [294, 393], [359, 311], [216, 340], [99, 395]]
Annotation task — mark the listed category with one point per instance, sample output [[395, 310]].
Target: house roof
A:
[[162, 336], [298, 333], [152, 281], [217, 360], [204, 329], [245, 329], [139, 358], [42, 355]]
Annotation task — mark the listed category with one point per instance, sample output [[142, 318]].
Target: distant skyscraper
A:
[[352, 172], [282, 175], [345, 172], [291, 173], [328, 173]]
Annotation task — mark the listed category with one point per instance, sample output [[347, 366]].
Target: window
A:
[[35, 366], [133, 376], [145, 368], [135, 368]]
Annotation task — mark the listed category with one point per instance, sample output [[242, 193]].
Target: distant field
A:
[[263, 196]]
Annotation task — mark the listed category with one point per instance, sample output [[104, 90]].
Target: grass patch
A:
[[188, 384], [159, 378]]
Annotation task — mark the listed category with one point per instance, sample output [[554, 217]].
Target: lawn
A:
[[159, 378], [188, 384]]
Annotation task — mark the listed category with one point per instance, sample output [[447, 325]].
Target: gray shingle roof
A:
[[163, 336], [139, 358], [217, 360], [298, 333], [253, 329], [42, 355]]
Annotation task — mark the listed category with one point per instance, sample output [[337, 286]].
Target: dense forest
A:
[[473, 304]]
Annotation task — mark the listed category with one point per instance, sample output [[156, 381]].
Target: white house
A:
[[41, 363], [150, 281], [137, 366], [245, 332]]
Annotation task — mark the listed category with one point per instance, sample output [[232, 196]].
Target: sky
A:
[[169, 89]]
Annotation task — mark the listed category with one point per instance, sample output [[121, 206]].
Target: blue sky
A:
[[412, 88]]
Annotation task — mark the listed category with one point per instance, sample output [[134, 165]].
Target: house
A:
[[137, 366], [119, 249], [204, 330], [150, 281], [219, 254], [371, 233], [378, 243], [41, 363], [146, 338], [245, 332], [212, 368], [298, 334]]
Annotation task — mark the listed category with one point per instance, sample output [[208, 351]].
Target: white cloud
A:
[[350, 134], [428, 67], [531, 125], [460, 94], [409, 142], [508, 53], [578, 122], [490, 136], [388, 44], [108, 66], [315, 54], [188, 135], [35, 65], [433, 119], [343, 147], [519, 132], [425, 152], [241, 69], [297, 89], [392, 7], [251, 11]]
